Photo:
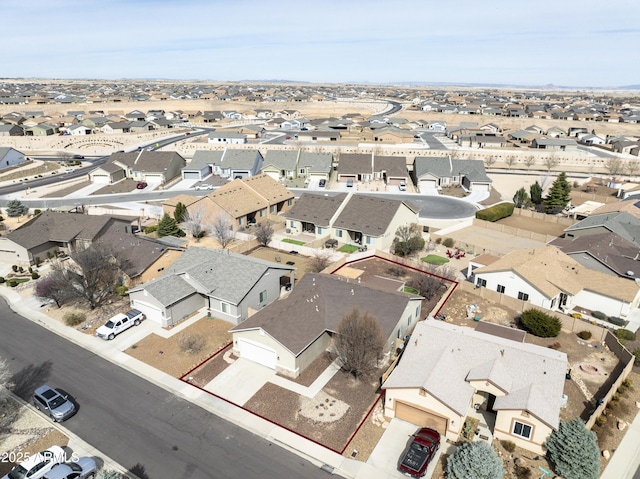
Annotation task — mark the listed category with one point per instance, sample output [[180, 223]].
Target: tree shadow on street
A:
[[29, 378]]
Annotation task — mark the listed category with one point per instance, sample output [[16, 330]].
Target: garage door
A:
[[191, 175], [428, 184], [102, 179], [257, 353], [154, 178], [151, 312], [420, 418]]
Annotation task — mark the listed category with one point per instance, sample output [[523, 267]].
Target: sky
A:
[[575, 43]]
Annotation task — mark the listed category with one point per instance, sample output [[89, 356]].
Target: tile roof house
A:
[[448, 372], [548, 278], [289, 334], [50, 232], [365, 220], [157, 167], [436, 172], [230, 286]]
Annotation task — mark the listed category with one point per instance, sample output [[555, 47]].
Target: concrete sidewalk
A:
[[316, 454]]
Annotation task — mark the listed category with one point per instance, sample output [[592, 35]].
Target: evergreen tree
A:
[[15, 208], [573, 451], [168, 226], [521, 198], [535, 192], [180, 213], [559, 194], [475, 460]]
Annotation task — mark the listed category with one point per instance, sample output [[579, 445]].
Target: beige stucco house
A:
[[448, 372]]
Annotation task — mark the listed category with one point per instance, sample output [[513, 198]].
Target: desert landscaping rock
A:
[[322, 408]]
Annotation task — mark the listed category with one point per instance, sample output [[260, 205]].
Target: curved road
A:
[[138, 424]]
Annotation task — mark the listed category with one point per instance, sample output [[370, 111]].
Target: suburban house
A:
[[156, 167], [244, 201], [229, 286], [436, 172], [556, 144], [10, 157], [227, 163], [318, 136], [392, 170], [359, 219], [228, 137], [448, 372], [622, 223], [49, 232], [548, 278], [289, 334], [11, 130], [280, 164]]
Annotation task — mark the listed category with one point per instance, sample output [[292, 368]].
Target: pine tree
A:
[[15, 208], [521, 198], [573, 451], [559, 194], [180, 213], [475, 460], [535, 192], [168, 226]]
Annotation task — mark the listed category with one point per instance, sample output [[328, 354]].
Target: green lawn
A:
[[435, 259], [410, 290], [348, 248], [292, 241]]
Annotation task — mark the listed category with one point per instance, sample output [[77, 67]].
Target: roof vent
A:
[[630, 273]]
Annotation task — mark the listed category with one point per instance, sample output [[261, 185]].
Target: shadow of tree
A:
[[29, 378], [139, 471]]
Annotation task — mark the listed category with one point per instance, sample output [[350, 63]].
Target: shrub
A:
[[598, 315], [627, 382], [509, 446], [625, 335], [38, 261], [615, 397], [585, 335], [438, 240], [496, 212], [636, 353], [12, 283], [36, 212], [540, 324], [475, 460], [73, 319], [35, 275], [151, 229], [448, 242], [191, 344], [122, 290], [2, 279], [601, 420], [573, 451], [611, 405], [617, 321], [576, 315], [14, 268], [523, 472]]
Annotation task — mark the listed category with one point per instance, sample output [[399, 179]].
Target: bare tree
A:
[[54, 286], [222, 230], [6, 378], [510, 160], [193, 223], [264, 233], [94, 273], [614, 166], [551, 162], [430, 283], [489, 160], [359, 342], [529, 161], [632, 167], [320, 259]]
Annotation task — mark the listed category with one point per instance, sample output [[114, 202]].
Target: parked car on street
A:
[[53, 403], [419, 452], [402, 186], [204, 186], [83, 468], [120, 322], [37, 465]]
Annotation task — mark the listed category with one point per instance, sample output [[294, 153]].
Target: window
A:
[[289, 202], [523, 296], [225, 308], [263, 296], [369, 240], [500, 288], [262, 212], [320, 230], [417, 311], [522, 430], [409, 319], [339, 233], [481, 283], [272, 208], [302, 171], [292, 223]]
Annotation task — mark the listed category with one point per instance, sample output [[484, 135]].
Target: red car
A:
[[141, 185], [419, 452]]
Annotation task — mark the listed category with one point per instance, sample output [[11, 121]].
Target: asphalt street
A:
[[139, 425]]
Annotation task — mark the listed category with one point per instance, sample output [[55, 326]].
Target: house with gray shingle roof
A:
[[229, 286], [289, 164], [289, 334], [622, 223], [436, 172], [10, 157], [151, 166], [228, 163], [548, 278], [448, 372]]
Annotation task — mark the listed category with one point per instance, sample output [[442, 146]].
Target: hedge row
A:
[[496, 212]]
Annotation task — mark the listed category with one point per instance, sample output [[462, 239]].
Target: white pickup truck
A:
[[119, 323]]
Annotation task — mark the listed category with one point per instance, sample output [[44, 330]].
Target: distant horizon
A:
[[567, 45]]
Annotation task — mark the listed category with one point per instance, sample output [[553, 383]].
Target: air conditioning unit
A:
[[288, 230]]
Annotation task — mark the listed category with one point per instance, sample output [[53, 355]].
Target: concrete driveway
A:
[[387, 453], [240, 381]]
